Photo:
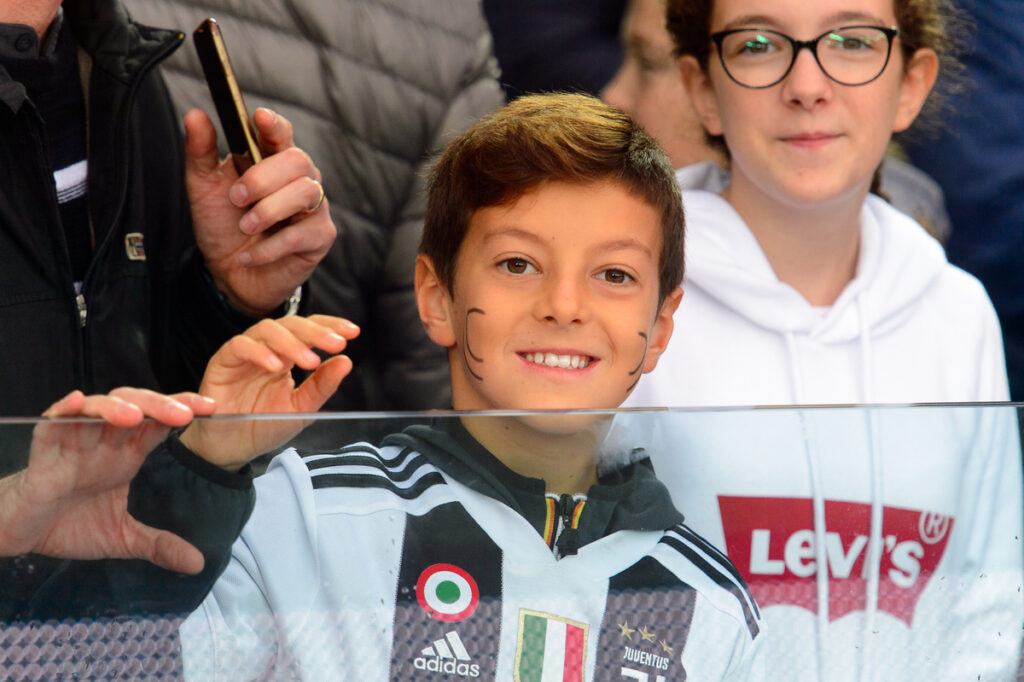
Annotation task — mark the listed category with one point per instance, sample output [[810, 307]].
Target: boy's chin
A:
[[564, 424]]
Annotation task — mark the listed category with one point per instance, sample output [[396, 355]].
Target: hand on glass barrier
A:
[[252, 374], [71, 500], [261, 233]]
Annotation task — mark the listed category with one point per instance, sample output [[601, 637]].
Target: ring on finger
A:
[[320, 201]]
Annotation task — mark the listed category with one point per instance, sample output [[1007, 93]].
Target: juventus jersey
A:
[[380, 564]]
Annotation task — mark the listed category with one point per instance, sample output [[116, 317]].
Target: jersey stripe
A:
[[687, 534], [397, 475], [371, 481], [550, 521], [359, 449], [720, 578]]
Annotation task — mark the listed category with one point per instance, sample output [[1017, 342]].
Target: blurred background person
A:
[[543, 46], [123, 259], [978, 159], [649, 87], [376, 88]]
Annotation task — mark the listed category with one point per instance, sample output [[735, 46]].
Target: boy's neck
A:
[[813, 248], [553, 447]]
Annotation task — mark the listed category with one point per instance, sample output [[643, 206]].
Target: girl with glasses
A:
[[803, 287]]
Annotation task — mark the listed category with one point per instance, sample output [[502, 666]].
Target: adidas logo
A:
[[447, 655]]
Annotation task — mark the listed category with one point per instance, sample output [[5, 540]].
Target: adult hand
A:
[[262, 233], [71, 500], [252, 374]]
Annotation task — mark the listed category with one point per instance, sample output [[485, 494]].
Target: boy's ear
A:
[[434, 303], [919, 76], [661, 332], [702, 95]]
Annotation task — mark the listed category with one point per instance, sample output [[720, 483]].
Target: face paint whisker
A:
[[642, 359], [466, 350]]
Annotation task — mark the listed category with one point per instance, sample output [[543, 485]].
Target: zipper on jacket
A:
[[83, 311], [121, 125], [566, 541]]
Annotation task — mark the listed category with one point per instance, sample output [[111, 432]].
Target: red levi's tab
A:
[[771, 541]]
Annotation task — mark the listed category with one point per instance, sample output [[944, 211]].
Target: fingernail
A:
[[310, 356], [244, 258], [238, 194], [275, 363], [335, 338], [272, 113], [178, 407], [248, 223]]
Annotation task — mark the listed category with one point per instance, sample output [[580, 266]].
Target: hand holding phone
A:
[[227, 96]]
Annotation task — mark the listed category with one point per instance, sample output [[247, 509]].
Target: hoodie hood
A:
[[895, 268], [627, 498]]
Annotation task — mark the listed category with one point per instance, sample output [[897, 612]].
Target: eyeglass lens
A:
[[851, 55]]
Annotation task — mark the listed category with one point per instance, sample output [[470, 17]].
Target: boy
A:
[[488, 546]]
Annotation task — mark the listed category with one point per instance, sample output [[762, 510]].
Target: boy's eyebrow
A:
[[511, 232], [614, 245], [628, 243]]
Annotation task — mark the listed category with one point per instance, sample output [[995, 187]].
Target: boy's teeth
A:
[[560, 361]]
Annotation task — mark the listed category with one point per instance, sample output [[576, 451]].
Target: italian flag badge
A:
[[550, 648], [447, 592]]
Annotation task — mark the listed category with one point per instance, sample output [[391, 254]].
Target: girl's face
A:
[[808, 140]]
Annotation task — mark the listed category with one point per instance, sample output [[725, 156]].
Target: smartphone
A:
[[227, 96]]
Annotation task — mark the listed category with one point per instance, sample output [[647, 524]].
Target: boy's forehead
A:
[[545, 212]]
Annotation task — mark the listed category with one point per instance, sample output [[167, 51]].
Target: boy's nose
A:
[[563, 301]]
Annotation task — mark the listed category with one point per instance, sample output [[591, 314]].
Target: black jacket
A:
[[148, 315]]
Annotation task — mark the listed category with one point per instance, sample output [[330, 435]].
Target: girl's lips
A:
[[811, 140]]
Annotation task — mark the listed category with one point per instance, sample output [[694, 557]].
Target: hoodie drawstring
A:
[[818, 508], [873, 558], [874, 554]]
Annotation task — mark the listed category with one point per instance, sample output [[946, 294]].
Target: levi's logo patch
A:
[[772, 542]]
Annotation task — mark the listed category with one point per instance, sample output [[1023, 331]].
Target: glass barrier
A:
[[423, 546]]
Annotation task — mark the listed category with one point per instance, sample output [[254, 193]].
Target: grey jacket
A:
[[373, 89]]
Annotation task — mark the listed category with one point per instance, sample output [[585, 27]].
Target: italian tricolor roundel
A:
[[447, 592]]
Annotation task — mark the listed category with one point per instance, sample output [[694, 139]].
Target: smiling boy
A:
[[492, 546]]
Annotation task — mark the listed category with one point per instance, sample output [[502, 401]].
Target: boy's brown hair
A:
[[540, 138]]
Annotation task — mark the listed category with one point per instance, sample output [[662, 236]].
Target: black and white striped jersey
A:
[[379, 564]]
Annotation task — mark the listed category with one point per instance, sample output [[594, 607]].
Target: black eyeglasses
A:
[[760, 58]]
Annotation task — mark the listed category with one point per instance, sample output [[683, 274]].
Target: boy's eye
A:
[[517, 266], [614, 276]]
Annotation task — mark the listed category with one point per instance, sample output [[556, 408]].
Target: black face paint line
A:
[[467, 352], [636, 372]]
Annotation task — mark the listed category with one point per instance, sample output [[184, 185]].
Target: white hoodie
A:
[[910, 327], [937, 489]]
